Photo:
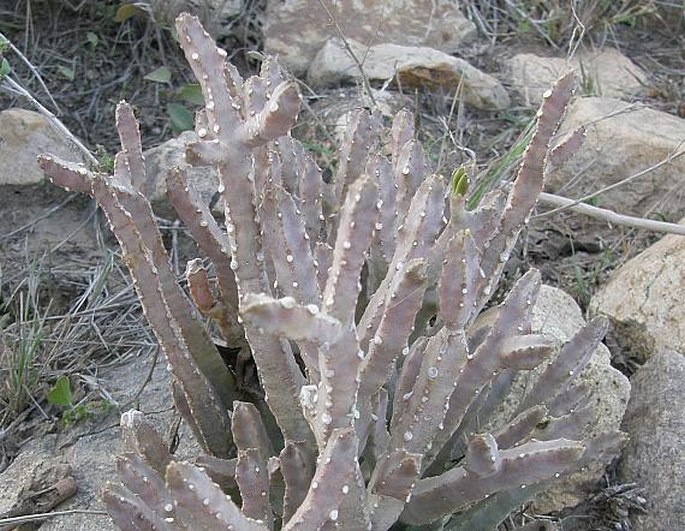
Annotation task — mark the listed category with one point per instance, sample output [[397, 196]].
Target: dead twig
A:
[[563, 203], [17, 520], [54, 121], [33, 70]]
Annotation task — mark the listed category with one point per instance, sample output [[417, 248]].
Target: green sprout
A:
[[5, 67], [460, 182], [61, 395]]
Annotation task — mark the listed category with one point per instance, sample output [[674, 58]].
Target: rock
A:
[[644, 300], [297, 29], [92, 467], [620, 143], [23, 136], [655, 455], [557, 315], [159, 160], [35, 482], [410, 67], [608, 73]]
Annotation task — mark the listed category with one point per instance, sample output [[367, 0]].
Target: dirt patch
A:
[[39, 220]]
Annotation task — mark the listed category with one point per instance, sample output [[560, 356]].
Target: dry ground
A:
[[72, 310]]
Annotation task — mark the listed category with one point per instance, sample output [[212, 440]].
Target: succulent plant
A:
[[361, 301]]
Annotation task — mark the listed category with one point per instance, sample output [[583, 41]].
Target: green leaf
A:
[[66, 72], [159, 75], [191, 93], [92, 39], [60, 394], [125, 12], [182, 119], [5, 68]]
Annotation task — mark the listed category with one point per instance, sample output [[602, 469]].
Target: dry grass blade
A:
[[557, 23], [101, 327]]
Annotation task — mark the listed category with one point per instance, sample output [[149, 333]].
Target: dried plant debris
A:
[[359, 300]]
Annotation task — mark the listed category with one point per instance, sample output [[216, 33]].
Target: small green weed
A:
[[318, 149], [498, 169], [72, 413], [5, 67], [181, 101], [19, 354], [180, 110], [588, 85], [105, 160], [594, 200], [588, 279]]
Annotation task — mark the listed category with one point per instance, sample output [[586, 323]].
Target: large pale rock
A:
[[608, 73], [297, 29], [23, 136], [410, 67], [557, 316], [620, 143], [159, 160], [655, 455], [644, 299]]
